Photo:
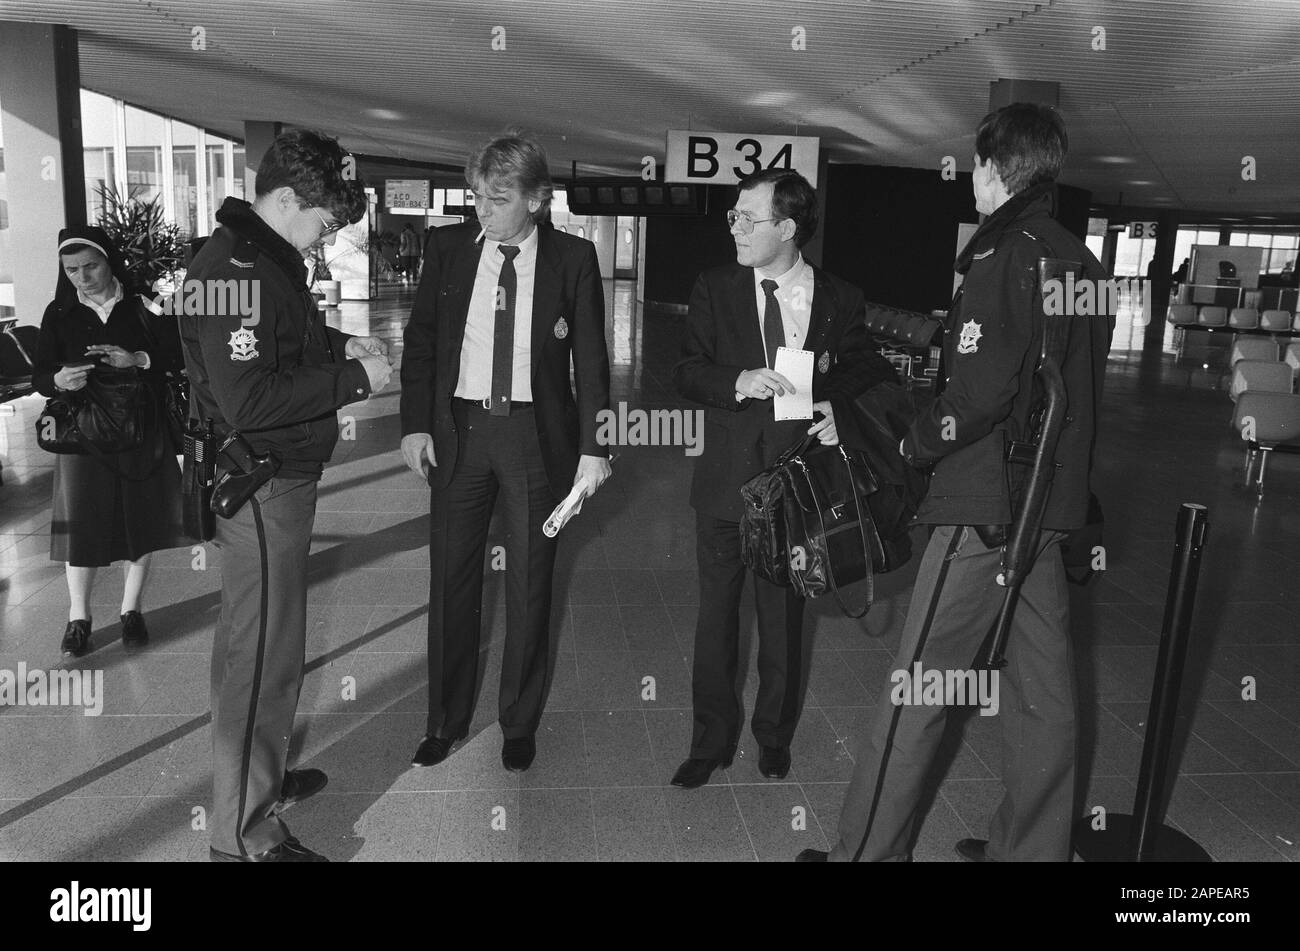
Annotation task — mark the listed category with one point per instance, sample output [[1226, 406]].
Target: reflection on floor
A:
[[129, 784]]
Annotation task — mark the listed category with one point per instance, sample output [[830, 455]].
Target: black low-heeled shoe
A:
[[973, 850], [299, 784], [76, 638], [134, 631], [517, 754], [695, 772], [434, 749], [290, 850], [774, 761]]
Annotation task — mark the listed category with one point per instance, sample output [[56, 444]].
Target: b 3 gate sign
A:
[[724, 158]]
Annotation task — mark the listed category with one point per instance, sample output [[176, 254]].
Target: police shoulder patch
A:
[[243, 345], [970, 336]]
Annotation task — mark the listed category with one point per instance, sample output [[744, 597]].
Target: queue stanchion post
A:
[[1143, 836]]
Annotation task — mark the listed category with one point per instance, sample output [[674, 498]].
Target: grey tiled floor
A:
[[126, 785]]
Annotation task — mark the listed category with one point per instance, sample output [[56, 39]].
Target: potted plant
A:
[[324, 279], [154, 250]]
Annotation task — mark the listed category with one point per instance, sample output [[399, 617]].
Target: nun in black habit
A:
[[127, 505]]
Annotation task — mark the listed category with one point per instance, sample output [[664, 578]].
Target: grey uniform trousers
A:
[[257, 660], [954, 603]]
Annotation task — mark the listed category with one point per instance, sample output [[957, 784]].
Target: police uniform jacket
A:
[[277, 377], [992, 338]]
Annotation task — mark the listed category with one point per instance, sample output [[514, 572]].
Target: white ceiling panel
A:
[[1182, 92]]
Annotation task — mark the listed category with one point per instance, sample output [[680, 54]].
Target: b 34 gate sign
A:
[[724, 158]]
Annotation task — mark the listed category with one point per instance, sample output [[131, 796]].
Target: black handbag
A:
[[809, 522], [108, 415], [175, 393]]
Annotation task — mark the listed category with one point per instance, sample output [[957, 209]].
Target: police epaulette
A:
[[245, 254]]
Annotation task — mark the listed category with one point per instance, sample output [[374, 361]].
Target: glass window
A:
[[143, 172], [1132, 255], [144, 140], [185, 188], [97, 120], [217, 183], [237, 175], [99, 178], [1183, 246]]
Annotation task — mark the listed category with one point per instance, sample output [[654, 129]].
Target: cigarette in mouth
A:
[[482, 231]]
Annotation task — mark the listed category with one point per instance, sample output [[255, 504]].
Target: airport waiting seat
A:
[[1212, 315], [1182, 315], [15, 369], [1243, 318], [1292, 359], [1265, 421], [1253, 348], [25, 335], [1268, 376], [1275, 320]]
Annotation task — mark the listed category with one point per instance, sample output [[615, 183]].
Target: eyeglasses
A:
[[745, 222], [327, 229]]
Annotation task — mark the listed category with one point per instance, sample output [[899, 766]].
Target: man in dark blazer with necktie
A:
[[739, 315], [490, 419]]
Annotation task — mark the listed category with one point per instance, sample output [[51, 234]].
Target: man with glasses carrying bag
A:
[[740, 314]]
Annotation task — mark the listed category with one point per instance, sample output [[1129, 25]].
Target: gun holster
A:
[[1019, 453], [248, 471]]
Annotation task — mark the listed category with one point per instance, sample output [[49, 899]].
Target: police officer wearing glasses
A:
[[275, 376]]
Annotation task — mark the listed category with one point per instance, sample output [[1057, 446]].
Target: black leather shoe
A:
[[517, 754], [694, 773], [290, 850], [76, 639], [774, 761], [974, 850], [812, 855], [134, 632], [434, 749], [300, 784]]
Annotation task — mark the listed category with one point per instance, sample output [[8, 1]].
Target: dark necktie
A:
[[503, 334], [773, 328]]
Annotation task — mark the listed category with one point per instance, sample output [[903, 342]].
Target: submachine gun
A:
[[1047, 420]]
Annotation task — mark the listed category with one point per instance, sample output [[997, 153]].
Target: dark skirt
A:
[[101, 517]]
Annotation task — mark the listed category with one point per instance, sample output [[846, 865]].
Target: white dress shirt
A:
[[475, 379], [106, 308], [794, 292]]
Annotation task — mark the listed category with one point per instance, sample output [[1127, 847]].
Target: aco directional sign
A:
[[406, 193], [724, 158]]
